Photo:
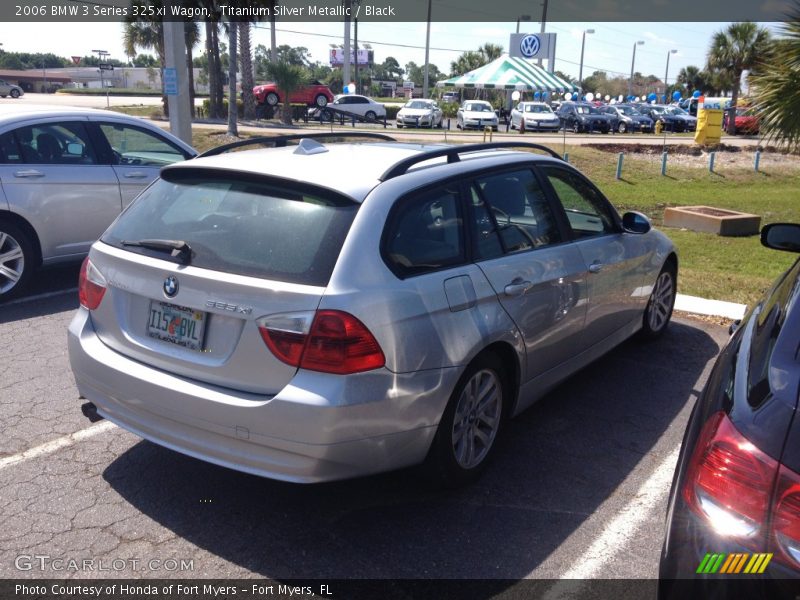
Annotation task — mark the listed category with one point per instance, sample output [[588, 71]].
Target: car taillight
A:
[[330, 341], [91, 285], [786, 517], [729, 482]]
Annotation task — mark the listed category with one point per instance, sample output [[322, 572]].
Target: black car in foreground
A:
[[733, 519]]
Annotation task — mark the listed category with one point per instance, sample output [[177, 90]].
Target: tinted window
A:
[[51, 144], [586, 210], [520, 209], [425, 232], [248, 227], [10, 151], [135, 146]]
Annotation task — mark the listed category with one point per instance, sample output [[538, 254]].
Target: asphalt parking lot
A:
[[578, 488]]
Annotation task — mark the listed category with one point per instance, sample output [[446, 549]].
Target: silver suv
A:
[[282, 313]]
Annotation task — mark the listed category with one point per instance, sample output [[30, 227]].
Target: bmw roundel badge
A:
[[170, 286]]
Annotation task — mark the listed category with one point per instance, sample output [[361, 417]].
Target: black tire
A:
[[576, 127], [370, 116], [14, 93], [622, 128], [13, 239], [658, 312], [272, 99], [321, 100], [455, 462]]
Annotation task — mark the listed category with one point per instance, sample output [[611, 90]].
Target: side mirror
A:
[[635, 222], [75, 149], [781, 236]]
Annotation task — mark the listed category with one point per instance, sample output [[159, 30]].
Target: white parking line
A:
[[622, 529], [39, 297], [57, 444]]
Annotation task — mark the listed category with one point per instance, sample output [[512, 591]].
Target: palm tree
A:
[[232, 107], [733, 51], [288, 78], [491, 51], [246, 62], [775, 86]]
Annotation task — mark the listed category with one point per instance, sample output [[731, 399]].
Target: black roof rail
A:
[[279, 141], [452, 153]]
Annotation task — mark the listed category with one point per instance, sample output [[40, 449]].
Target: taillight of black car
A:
[[744, 494]]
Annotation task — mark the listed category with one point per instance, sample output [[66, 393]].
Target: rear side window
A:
[[242, 225], [587, 212], [425, 233]]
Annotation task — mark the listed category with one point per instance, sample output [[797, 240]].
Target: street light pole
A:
[[633, 60], [544, 22], [583, 44], [426, 78], [666, 74]]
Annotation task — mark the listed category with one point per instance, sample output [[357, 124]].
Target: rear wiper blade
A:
[[177, 248]]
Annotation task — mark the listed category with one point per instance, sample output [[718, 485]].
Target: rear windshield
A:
[[243, 225]]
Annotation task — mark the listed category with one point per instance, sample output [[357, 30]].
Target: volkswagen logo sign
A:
[[170, 286], [529, 45]]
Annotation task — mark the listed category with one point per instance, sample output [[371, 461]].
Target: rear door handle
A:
[[28, 173], [595, 267], [517, 287], [135, 175]]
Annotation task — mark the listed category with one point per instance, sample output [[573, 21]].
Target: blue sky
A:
[[609, 48]]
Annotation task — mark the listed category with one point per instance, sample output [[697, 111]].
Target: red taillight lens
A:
[[729, 481], [91, 285], [786, 517], [333, 342], [340, 343]]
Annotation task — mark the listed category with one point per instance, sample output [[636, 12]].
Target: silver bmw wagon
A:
[[317, 311]]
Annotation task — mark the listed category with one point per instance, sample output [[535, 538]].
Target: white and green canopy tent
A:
[[510, 73]]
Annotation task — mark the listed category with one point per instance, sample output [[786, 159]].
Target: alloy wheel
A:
[[661, 301], [12, 262], [477, 418]]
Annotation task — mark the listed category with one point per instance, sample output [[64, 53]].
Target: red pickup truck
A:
[[313, 94]]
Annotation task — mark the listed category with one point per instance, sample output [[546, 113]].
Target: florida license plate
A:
[[178, 325]]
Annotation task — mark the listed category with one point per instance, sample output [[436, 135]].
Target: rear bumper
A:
[[318, 428]]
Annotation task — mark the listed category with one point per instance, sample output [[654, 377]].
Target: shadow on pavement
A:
[[555, 466]]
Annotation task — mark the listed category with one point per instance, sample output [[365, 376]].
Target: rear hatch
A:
[[203, 254]]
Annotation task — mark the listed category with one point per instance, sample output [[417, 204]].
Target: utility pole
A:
[[426, 81], [348, 6], [175, 79], [544, 23]]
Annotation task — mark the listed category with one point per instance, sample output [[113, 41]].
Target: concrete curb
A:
[[714, 308]]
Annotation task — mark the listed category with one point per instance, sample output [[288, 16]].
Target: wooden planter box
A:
[[712, 220]]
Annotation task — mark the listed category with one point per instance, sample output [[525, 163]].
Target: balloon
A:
[[545, 95], [613, 101], [537, 95], [697, 94], [568, 96], [651, 96], [346, 89], [351, 88], [608, 97], [515, 95], [676, 96], [589, 97], [620, 99]]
